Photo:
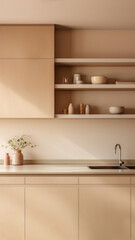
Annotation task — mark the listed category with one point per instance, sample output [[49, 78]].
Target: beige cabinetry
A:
[[133, 212], [27, 71], [60, 207], [104, 211], [133, 208], [11, 209], [26, 41], [26, 88], [51, 211]]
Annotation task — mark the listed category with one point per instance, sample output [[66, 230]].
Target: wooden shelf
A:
[[100, 87], [95, 61], [116, 62], [95, 116]]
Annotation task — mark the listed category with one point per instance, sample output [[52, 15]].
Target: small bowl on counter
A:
[[99, 80], [116, 110]]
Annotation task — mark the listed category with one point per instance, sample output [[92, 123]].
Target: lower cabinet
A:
[[104, 213], [58, 208], [11, 213], [52, 213], [133, 212]]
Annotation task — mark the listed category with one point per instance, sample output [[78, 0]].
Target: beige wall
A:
[[73, 139], [95, 43], [84, 139]]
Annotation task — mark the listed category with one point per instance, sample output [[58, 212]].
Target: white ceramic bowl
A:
[[98, 80], [116, 110]]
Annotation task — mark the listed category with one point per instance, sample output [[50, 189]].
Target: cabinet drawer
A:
[[52, 180], [11, 180], [104, 180], [27, 41]]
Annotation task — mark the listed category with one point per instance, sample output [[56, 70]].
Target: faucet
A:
[[120, 161]]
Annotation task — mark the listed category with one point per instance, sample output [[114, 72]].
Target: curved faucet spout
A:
[[119, 147]]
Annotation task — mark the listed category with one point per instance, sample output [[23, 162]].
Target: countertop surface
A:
[[60, 169]]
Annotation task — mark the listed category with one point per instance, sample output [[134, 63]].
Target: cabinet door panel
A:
[[11, 213], [104, 213], [133, 213], [52, 213], [26, 88], [27, 41], [132, 180]]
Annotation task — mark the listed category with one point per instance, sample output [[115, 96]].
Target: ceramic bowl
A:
[[98, 80], [116, 110]]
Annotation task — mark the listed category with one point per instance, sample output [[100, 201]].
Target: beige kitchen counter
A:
[[59, 169]]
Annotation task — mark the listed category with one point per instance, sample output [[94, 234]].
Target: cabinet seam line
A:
[[24, 213], [130, 212], [78, 212]]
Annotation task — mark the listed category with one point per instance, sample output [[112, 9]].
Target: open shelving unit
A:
[[94, 62]]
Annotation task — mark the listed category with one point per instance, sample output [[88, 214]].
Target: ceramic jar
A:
[[87, 109], [70, 109], [7, 160], [17, 158], [81, 108]]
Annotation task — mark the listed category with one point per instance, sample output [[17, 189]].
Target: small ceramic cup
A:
[[77, 77]]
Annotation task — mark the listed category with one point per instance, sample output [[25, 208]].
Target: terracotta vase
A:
[[7, 159], [17, 158]]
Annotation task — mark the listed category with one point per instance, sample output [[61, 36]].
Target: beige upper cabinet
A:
[[104, 213], [11, 212], [26, 71], [52, 213], [26, 88], [28, 41]]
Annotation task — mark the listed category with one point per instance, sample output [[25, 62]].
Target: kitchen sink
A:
[[109, 167], [131, 167]]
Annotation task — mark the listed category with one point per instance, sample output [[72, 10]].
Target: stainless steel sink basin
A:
[[108, 167], [131, 167]]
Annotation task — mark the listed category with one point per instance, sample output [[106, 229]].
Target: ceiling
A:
[[94, 14]]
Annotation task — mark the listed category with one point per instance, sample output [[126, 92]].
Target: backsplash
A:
[[71, 139]]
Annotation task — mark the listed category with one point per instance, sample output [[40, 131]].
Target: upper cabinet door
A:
[[26, 88], [28, 41]]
